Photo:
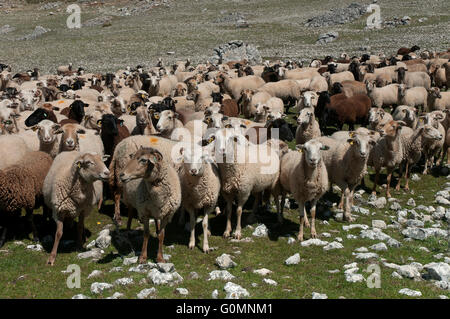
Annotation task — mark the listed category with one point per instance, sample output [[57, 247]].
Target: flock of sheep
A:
[[185, 138]]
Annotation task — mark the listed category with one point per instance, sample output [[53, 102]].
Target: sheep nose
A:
[[193, 171]]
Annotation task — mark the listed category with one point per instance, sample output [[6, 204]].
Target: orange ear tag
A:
[[153, 140]]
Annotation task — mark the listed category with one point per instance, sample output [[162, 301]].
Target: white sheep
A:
[[413, 97], [407, 114], [383, 97], [308, 128]]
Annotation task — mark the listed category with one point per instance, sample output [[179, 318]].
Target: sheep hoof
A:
[[191, 247], [206, 250], [300, 238], [237, 235], [143, 259], [226, 234], [307, 224], [51, 261]]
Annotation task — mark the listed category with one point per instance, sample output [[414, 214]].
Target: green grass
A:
[[25, 275]]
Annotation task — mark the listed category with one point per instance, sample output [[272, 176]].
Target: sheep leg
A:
[[313, 219], [348, 194], [192, 224], [375, 183], [58, 235], [117, 218], [143, 257], [159, 257], [400, 175], [33, 226], [388, 193], [341, 202], [407, 177], [205, 233], [227, 232], [3, 231], [301, 209], [280, 207], [80, 232], [252, 218], [182, 217], [130, 217], [237, 233], [306, 220]]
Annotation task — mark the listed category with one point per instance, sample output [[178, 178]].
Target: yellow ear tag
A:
[[300, 150], [156, 116], [129, 109], [211, 139], [352, 134], [79, 165], [351, 143]]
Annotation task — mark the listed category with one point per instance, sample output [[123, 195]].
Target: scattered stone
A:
[[350, 266], [116, 295], [215, 294], [36, 247], [408, 271], [443, 297], [423, 233], [261, 231], [224, 261], [325, 38], [116, 269], [145, 293], [103, 241], [396, 275], [352, 277], [365, 256], [361, 210], [415, 177], [334, 271], [165, 267], [163, 278], [393, 243], [326, 235], [374, 234], [395, 206], [350, 236], [124, 281], [293, 260], [270, 282], [235, 291], [379, 247], [99, 287], [362, 249], [409, 292], [193, 275], [220, 274], [182, 291], [263, 271], [378, 202], [338, 16], [353, 226], [316, 295], [411, 202], [437, 271], [231, 17], [333, 245], [314, 242], [236, 50], [38, 32], [142, 268], [425, 249], [378, 224], [6, 29], [95, 273], [95, 253], [414, 223], [88, 246]]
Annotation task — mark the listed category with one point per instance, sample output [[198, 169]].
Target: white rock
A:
[[362, 249], [409, 292], [224, 261], [350, 236], [103, 241], [99, 287], [353, 226], [165, 267], [314, 241], [130, 261], [396, 275], [365, 256], [144, 293], [293, 260], [334, 271], [438, 271], [393, 243], [316, 295], [80, 296], [291, 240], [261, 231], [263, 271], [124, 281], [378, 224], [379, 247], [443, 297], [220, 274], [36, 247], [215, 294], [350, 266], [408, 271], [116, 269], [95, 253], [90, 245], [411, 202], [326, 235], [333, 245], [354, 277], [235, 291], [94, 273], [160, 278], [182, 291], [374, 234], [116, 295], [270, 282]]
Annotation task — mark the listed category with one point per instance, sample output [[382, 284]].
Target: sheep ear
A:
[[81, 131], [351, 141], [156, 158], [35, 128], [79, 163], [105, 157], [299, 147]]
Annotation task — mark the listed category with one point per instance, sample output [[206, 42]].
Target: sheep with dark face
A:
[[405, 51], [413, 79], [112, 133], [75, 112]]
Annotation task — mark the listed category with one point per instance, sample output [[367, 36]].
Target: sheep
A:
[[17, 148], [90, 120], [352, 110], [345, 135], [287, 90], [413, 142], [413, 79], [259, 134], [248, 101], [144, 125], [180, 89], [244, 169], [404, 51], [308, 99], [383, 97], [229, 107], [69, 191], [378, 118], [438, 75], [318, 84], [200, 188], [49, 141], [388, 152], [338, 77], [157, 196], [167, 122], [406, 114], [447, 74], [346, 163], [273, 105], [112, 132], [432, 148], [307, 128], [75, 112], [413, 97], [64, 69], [438, 100], [304, 175], [21, 186], [234, 87], [349, 88]]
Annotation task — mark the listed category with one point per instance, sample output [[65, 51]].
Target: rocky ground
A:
[[123, 32]]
